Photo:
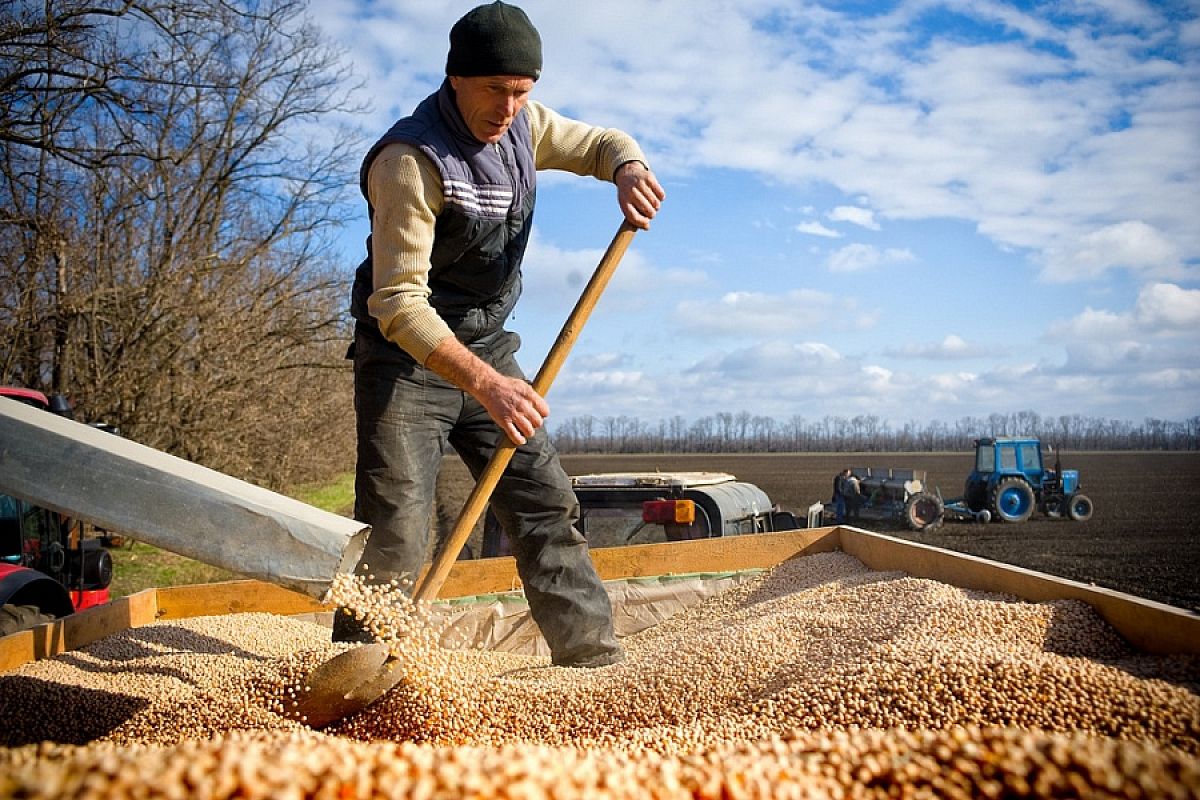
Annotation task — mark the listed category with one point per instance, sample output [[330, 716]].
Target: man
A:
[[450, 193], [853, 493], [839, 495]]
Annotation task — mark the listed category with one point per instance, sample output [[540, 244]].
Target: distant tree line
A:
[[166, 231], [745, 432]]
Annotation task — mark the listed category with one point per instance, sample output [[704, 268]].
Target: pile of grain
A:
[[963, 763], [817, 677]]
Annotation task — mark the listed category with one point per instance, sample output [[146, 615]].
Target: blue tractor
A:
[[1011, 481]]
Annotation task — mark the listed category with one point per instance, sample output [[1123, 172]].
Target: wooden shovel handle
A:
[[431, 584]]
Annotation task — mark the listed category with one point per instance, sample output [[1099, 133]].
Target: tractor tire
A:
[[923, 511], [1012, 500], [1079, 507], [18, 618]]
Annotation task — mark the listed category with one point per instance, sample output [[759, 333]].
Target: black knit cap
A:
[[495, 39]]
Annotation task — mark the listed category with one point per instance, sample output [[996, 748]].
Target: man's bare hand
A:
[[515, 406], [510, 402], [638, 193]]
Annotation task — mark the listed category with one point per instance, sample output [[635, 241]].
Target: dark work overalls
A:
[[408, 415]]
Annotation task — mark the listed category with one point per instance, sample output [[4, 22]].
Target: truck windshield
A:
[[9, 509], [617, 526]]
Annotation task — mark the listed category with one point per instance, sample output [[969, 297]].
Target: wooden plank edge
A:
[[489, 575], [233, 597], [722, 554], [1147, 625], [78, 629]]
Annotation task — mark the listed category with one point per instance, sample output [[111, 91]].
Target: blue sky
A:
[[917, 210]]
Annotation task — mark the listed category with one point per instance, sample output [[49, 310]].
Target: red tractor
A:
[[48, 567]]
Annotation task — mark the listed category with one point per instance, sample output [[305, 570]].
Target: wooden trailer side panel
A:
[[1150, 626], [722, 554], [78, 630]]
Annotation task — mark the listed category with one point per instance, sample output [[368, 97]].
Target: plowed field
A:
[[1144, 538]]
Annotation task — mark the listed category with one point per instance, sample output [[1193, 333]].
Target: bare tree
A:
[[169, 241]]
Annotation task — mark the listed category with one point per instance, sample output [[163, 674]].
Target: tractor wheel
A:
[[19, 618], [1079, 507], [923, 511], [1012, 500]]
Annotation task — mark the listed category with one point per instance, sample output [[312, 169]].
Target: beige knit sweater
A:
[[405, 190]]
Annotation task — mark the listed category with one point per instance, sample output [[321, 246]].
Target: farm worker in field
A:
[[847, 495], [839, 495], [450, 197], [852, 491]]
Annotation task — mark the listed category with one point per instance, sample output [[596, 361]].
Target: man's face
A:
[[490, 103]]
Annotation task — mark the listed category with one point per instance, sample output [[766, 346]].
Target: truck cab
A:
[[622, 508], [642, 508]]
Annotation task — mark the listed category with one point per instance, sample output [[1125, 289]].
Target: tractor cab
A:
[[1011, 480], [1008, 456]]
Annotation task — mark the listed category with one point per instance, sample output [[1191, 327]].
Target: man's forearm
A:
[[456, 363], [516, 408]]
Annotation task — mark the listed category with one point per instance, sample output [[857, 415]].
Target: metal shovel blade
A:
[[345, 685]]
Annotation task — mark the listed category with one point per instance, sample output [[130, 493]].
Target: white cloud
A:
[[1173, 380], [1161, 331], [815, 228], [1161, 308], [1165, 306], [952, 347], [598, 362], [1056, 139], [855, 215], [1132, 12], [600, 380], [858, 257], [600, 393], [1043, 140], [1089, 358], [554, 277], [1091, 324], [1133, 245], [1189, 33], [878, 379], [814, 380], [782, 360], [952, 387], [746, 313]]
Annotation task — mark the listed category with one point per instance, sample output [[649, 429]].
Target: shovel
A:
[[351, 681]]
